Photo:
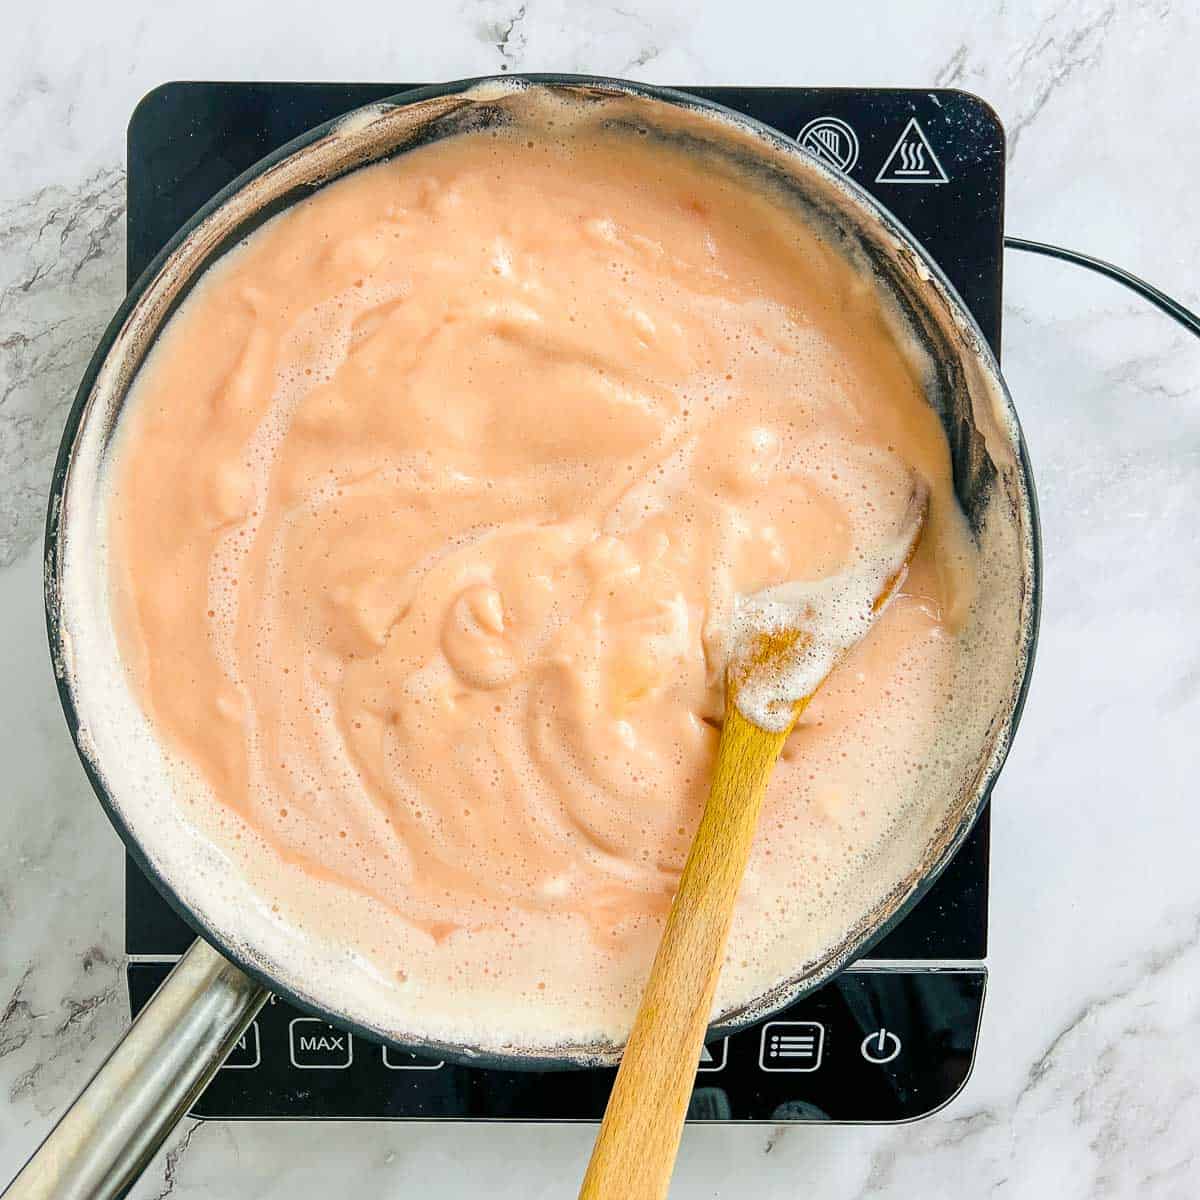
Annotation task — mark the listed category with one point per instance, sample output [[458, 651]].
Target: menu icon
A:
[[792, 1046]]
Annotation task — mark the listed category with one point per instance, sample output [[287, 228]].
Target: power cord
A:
[[1160, 300]]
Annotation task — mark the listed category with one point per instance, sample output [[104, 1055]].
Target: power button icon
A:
[[880, 1047]]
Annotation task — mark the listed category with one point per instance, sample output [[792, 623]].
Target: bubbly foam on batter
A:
[[808, 626], [433, 520]]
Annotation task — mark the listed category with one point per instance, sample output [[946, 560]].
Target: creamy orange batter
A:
[[430, 519]]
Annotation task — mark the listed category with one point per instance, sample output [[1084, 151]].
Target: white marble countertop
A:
[[1088, 1077]]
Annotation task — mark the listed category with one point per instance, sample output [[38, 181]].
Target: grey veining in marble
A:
[[1088, 1081], [61, 275]]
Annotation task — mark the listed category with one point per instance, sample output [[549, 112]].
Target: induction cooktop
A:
[[891, 1039]]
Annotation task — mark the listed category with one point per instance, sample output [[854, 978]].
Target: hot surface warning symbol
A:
[[912, 159]]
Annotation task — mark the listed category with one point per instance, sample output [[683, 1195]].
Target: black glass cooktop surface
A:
[[891, 1039]]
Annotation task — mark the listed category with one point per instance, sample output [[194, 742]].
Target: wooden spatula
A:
[[638, 1140]]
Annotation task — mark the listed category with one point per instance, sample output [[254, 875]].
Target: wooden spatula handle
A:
[[636, 1147]]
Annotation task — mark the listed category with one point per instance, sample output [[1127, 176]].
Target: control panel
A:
[[879, 1043]]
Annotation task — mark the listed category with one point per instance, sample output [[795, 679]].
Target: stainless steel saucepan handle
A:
[[176, 1045]]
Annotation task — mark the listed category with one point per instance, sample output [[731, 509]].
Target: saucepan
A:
[[180, 1039]]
